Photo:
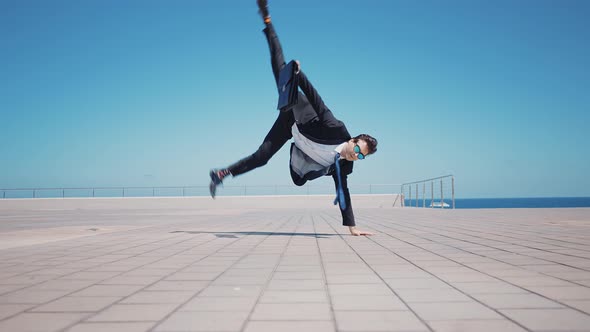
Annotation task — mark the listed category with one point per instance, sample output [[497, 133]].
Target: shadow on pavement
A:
[[234, 234]]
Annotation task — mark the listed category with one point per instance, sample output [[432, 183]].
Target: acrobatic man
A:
[[322, 145]]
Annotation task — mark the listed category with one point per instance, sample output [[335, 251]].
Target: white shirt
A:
[[320, 153]]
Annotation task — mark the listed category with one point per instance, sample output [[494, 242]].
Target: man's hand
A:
[[298, 67], [357, 232]]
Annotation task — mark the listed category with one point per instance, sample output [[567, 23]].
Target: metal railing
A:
[[433, 204], [245, 190]]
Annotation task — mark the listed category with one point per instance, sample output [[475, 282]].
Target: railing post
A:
[[453, 186], [123, 192], [63, 193], [33, 193], [423, 194], [404, 195], [92, 192], [442, 200], [432, 194]]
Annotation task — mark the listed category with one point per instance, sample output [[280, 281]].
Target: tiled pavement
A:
[[189, 265]]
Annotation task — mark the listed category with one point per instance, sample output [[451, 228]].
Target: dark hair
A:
[[371, 142]]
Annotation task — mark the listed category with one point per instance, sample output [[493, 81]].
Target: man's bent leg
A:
[[278, 135]]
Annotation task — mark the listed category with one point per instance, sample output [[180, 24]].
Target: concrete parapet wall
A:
[[206, 203]]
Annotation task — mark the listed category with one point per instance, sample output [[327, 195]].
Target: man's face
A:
[[349, 150]]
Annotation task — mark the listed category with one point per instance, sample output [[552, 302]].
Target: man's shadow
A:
[[235, 234]]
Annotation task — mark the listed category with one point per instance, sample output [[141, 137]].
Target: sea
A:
[[504, 203]]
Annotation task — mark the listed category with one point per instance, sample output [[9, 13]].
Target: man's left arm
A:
[[310, 92]]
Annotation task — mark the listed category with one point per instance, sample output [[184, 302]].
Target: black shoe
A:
[[263, 8], [212, 189], [215, 176], [215, 181]]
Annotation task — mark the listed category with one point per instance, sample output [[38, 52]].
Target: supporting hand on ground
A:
[[357, 232]]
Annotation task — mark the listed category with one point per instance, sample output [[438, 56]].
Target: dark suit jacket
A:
[[318, 124]]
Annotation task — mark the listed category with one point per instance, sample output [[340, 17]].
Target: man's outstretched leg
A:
[[278, 135], [277, 59], [263, 10]]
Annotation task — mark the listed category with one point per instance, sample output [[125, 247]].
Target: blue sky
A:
[[134, 93]]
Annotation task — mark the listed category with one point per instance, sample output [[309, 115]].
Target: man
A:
[[322, 144]]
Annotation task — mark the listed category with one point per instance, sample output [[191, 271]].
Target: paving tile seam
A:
[[84, 258], [67, 294], [511, 243], [143, 242], [556, 241], [418, 240], [377, 274], [267, 282], [75, 291], [211, 281], [62, 241], [430, 227], [478, 254], [325, 277], [484, 304], [491, 222], [524, 266], [162, 278], [503, 236], [14, 291], [95, 238], [492, 230], [496, 259], [94, 313], [534, 235], [434, 275]]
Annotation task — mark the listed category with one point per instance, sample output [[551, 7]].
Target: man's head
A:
[[359, 147]]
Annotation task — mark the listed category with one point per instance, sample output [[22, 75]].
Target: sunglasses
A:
[[357, 150]]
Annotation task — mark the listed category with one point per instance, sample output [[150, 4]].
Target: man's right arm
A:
[[347, 214]]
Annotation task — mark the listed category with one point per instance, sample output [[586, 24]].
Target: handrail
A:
[[426, 180], [442, 203], [243, 190]]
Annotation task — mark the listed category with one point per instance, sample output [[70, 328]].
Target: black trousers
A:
[[280, 133]]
